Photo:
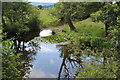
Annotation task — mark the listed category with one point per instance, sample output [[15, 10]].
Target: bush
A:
[[10, 61]]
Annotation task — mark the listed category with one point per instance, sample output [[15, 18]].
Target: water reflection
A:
[[44, 60], [47, 62], [27, 57], [70, 61]]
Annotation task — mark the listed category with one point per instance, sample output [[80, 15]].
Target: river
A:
[[47, 62]]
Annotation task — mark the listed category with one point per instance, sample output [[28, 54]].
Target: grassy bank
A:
[[87, 28]]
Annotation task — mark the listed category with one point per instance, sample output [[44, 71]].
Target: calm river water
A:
[[47, 62]]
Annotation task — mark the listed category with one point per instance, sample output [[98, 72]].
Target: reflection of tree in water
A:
[[27, 57], [71, 61], [96, 64]]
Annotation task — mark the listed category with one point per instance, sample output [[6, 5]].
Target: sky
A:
[[48, 1]]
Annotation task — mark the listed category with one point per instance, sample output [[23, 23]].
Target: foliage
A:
[[87, 28], [108, 15], [114, 36], [19, 19], [71, 59], [0, 54], [105, 59], [104, 49], [40, 6], [16, 64], [80, 10], [97, 70], [48, 19], [101, 55], [58, 11], [53, 39], [77, 10], [10, 61]]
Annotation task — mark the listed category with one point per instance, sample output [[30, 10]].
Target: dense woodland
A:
[[91, 28]]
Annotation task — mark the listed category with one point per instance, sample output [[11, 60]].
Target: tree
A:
[[68, 11], [40, 6], [15, 64], [67, 15], [10, 60], [108, 15], [57, 10], [108, 67], [72, 57], [19, 20]]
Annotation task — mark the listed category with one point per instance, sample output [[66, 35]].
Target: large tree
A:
[[20, 20], [68, 11], [108, 15]]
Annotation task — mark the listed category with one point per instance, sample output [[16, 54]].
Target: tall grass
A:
[[87, 28]]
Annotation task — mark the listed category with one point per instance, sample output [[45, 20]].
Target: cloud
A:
[[37, 74], [41, 74], [46, 49], [52, 76], [51, 61]]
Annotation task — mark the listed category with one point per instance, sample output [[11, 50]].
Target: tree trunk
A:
[[62, 20], [19, 42], [63, 62], [106, 29], [72, 27], [23, 46]]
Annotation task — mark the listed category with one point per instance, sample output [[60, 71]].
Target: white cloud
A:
[[37, 74], [52, 76], [40, 74], [46, 49], [51, 1], [52, 61]]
